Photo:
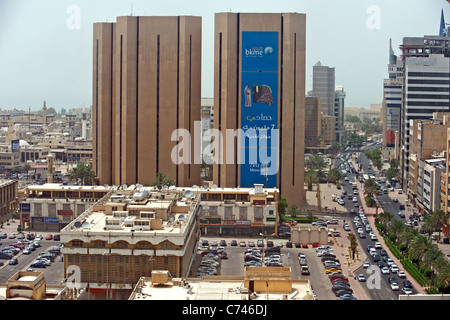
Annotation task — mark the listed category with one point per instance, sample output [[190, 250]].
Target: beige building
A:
[[8, 196], [428, 140], [277, 42], [128, 234], [328, 127], [258, 283], [313, 122], [146, 85]]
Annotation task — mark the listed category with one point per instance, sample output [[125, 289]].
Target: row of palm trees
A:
[[417, 247]]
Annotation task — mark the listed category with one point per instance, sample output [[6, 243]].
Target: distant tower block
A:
[[50, 168]]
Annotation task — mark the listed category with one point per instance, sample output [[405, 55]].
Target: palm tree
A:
[[395, 228], [353, 244], [419, 247], [83, 174], [444, 274], [371, 187], [439, 219]]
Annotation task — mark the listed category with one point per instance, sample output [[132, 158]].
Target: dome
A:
[[23, 143]]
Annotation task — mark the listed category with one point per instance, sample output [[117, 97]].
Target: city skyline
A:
[[46, 47]]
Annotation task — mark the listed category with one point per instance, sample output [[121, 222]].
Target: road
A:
[[384, 292]]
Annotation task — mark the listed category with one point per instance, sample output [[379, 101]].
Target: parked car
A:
[[11, 236], [38, 264], [3, 235], [57, 237], [48, 237], [234, 243], [20, 236]]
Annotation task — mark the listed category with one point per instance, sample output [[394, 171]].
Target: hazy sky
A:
[[46, 45]]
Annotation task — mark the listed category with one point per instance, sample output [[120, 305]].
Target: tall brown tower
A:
[[146, 85], [259, 82]]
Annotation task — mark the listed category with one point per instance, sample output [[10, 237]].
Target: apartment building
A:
[[8, 197]]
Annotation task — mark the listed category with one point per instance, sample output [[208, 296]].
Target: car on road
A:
[[13, 261], [407, 291], [366, 265], [394, 286], [361, 278], [385, 270], [407, 284], [378, 245], [401, 274], [38, 264], [26, 251], [305, 270], [347, 296], [394, 268]]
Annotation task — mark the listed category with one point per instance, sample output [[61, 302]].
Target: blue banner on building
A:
[[24, 207], [259, 109]]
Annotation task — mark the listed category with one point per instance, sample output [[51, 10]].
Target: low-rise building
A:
[[130, 233]]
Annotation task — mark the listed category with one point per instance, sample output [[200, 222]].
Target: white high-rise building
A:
[[426, 90]]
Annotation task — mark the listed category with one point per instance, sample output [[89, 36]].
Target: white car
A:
[[401, 274], [394, 286], [394, 268], [377, 245], [385, 270], [407, 291], [389, 262], [341, 202], [361, 278], [366, 264]]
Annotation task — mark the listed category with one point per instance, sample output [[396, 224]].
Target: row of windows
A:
[[428, 104], [121, 244], [430, 89], [428, 96], [429, 74], [423, 81]]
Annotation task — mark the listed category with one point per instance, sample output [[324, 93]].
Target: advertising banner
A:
[[259, 109]]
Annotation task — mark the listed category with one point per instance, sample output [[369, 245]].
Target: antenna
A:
[[131, 9]]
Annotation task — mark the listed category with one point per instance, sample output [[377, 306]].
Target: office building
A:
[[324, 87], [259, 86], [146, 86], [313, 123], [8, 196], [392, 99], [425, 91], [339, 104]]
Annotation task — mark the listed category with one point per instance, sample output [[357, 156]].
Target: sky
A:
[[46, 45]]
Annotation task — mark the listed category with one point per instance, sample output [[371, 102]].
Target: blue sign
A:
[[24, 207], [51, 219], [259, 109], [259, 51]]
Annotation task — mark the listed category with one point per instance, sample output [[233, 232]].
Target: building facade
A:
[[259, 81], [146, 86], [324, 87], [425, 91], [8, 196]]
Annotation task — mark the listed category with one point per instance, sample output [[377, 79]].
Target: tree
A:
[[315, 162], [371, 187], [419, 246], [282, 205], [83, 174], [439, 219], [353, 244], [161, 179], [293, 211], [334, 175]]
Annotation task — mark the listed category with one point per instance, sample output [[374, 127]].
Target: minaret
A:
[[44, 108]]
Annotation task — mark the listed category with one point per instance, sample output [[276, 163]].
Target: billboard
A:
[[15, 145], [259, 109]]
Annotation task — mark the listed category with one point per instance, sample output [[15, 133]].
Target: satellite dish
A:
[[214, 186], [181, 217], [85, 225], [188, 193], [171, 218], [77, 224]]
